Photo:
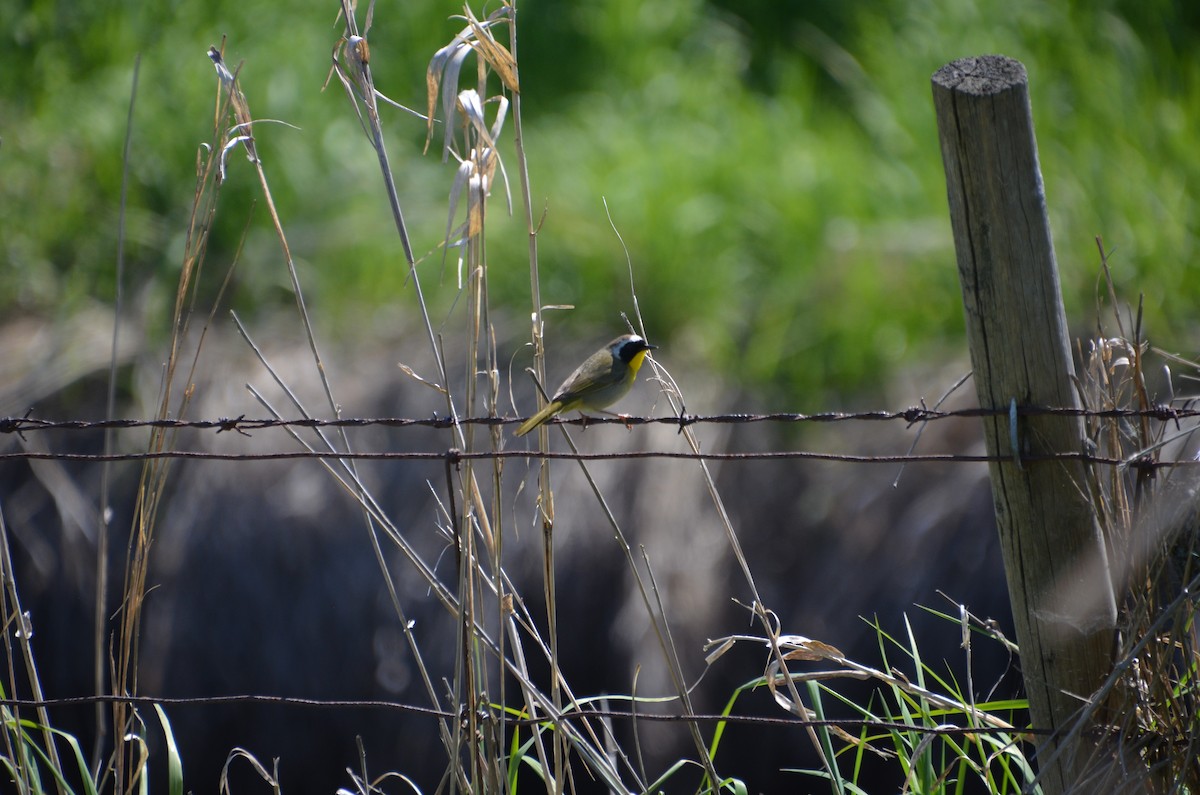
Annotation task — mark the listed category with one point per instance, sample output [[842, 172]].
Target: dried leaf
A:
[[725, 645], [413, 375], [495, 54]]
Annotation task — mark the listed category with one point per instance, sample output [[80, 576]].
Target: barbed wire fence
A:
[[19, 427]]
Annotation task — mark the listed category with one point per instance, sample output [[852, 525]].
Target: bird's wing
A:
[[578, 384]]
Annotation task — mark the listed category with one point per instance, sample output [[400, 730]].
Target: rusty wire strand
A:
[[455, 456], [514, 720], [909, 415]]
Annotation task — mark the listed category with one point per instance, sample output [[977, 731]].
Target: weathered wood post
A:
[[1054, 555]]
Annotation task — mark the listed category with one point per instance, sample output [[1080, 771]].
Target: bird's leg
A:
[[621, 416]]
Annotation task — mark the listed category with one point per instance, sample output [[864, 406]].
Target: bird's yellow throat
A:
[[635, 363]]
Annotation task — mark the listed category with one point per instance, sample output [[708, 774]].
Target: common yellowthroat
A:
[[600, 381]]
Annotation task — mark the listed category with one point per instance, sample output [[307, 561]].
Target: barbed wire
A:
[[511, 719], [910, 415], [454, 456]]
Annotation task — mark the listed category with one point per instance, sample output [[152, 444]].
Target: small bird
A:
[[600, 381]]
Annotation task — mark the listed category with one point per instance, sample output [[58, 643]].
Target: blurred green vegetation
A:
[[773, 168]]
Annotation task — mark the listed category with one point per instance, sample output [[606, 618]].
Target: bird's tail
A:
[[550, 409]]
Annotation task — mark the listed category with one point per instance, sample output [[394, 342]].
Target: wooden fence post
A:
[[1054, 554]]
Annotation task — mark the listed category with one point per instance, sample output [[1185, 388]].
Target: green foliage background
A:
[[773, 167]]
